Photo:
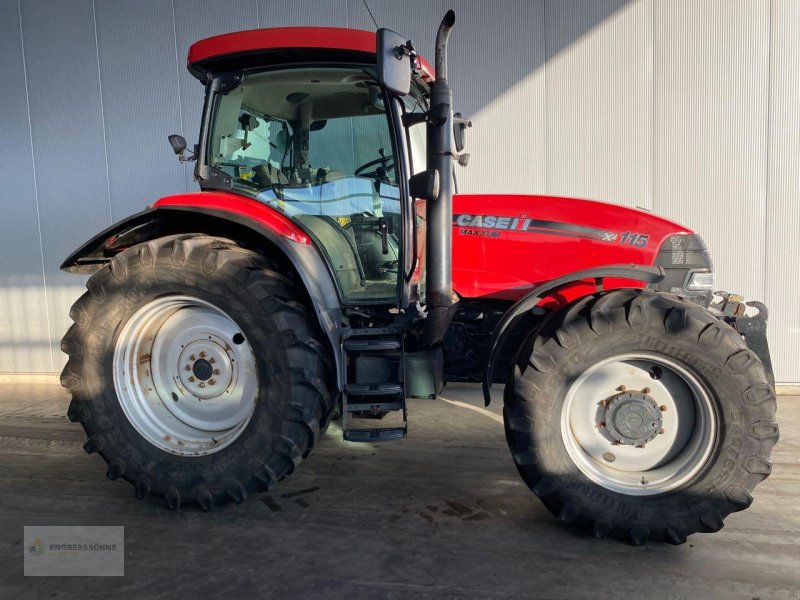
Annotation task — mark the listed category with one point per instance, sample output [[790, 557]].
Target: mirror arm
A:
[[462, 159], [182, 158], [460, 119], [407, 49]]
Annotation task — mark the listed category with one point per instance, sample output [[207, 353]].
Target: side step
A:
[[374, 389], [375, 385], [375, 435], [365, 345]]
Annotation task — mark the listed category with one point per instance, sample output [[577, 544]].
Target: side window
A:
[[417, 139], [242, 139], [417, 134], [346, 144], [255, 141]]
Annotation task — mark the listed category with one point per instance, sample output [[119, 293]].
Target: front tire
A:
[[638, 415], [196, 370]]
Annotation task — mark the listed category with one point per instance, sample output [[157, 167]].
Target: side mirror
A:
[[424, 185], [394, 62], [178, 143], [460, 125]]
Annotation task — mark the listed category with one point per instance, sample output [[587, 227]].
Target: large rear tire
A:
[[196, 370], [638, 415]]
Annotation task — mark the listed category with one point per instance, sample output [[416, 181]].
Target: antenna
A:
[[370, 14]]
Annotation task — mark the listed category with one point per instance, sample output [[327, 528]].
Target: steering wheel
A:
[[385, 164]]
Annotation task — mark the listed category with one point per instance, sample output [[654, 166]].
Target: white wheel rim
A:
[[639, 424], [185, 375]]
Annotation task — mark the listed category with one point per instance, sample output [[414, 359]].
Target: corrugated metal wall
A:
[[685, 107]]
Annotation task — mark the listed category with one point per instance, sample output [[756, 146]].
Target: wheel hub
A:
[[633, 418], [205, 368], [202, 369]]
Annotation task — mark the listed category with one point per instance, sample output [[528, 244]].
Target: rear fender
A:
[[514, 316], [263, 230]]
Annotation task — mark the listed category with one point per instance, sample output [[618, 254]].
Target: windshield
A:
[[315, 144]]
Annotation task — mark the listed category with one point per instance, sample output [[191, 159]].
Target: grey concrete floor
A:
[[442, 514]]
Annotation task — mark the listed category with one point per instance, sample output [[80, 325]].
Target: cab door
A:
[[413, 141]]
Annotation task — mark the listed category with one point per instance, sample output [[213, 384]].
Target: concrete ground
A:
[[440, 515]]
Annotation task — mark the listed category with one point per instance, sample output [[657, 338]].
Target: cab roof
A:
[[261, 47]]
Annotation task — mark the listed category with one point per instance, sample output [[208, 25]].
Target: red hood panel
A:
[[504, 245]]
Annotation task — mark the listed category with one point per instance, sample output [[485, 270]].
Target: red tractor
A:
[[327, 269]]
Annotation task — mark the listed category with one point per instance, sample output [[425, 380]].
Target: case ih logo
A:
[[494, 225]]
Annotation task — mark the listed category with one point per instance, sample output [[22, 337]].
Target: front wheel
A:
[[637, 415], [196, 370]]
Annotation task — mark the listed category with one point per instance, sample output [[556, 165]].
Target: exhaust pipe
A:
[[440, 299], [442, 37]]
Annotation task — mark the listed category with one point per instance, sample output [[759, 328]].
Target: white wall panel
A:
[[141, 103], [24, 335], [711, 97], [782, 268], [599, 99], [302, 13], [499, 82], [688, 107], [68, 141]]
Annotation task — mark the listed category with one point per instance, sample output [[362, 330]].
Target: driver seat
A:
[[269, 176]]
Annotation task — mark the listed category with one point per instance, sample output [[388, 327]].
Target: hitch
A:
[[732, 309]]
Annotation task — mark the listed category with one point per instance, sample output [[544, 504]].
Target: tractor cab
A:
[[322, 140]]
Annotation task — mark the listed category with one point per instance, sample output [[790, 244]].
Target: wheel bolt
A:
[[212, 381], [216, 371], [663, 408], [191, 378], [212, 360], [603, 402], [202, 384], [192, 357], [601, 425], [646, 391], [202, 355], [661, 431], [187, 368], [621, 388]]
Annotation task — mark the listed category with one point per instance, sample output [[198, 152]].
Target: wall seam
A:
[[258, 15], [36, 191], [768, 153], [653, 112], [178, 80], [546, 104], [102, 112]]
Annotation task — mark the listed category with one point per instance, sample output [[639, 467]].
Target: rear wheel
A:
[[195, 371], [638, 415]]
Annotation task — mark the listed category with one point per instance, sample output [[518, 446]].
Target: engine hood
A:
[[504, 245]]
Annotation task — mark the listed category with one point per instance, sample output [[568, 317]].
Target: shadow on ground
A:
[[440, 515]]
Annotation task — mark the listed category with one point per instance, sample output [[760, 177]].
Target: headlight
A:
[[689, 271], [701, 281]]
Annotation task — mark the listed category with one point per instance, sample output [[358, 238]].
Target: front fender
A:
[[646, 274], [258, 225]]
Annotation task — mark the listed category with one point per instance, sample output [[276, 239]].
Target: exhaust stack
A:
[[441, 300]]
